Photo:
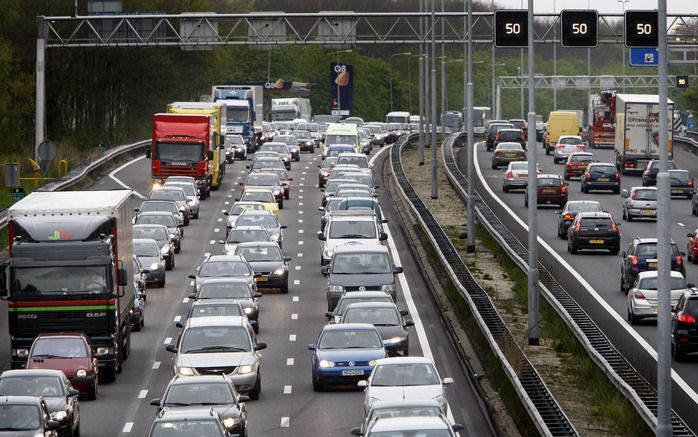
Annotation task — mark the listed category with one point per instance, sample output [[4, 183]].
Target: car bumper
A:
[[551, 200], [244, 383], [596, 185], [334, 375], [515, 183], [240, 153], [611, 243], [574, 171], [272, 281], [643, 309], [506, 160], [640, 212], [681, 191], [307, 147], [84, 384]]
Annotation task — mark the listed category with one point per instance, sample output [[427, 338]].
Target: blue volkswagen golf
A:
[[345, 353]]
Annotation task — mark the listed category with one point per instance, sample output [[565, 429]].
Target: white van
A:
[[343, 133]]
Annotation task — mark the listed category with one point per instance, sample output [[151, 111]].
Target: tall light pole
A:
[[469, 99], [443, 61], [492, 62], [444, 82], [339, 100], [521, 105], [496, 110], [422, 81], [409, 80], [434, 178], [390, 62], [554, 62], [623, 2]]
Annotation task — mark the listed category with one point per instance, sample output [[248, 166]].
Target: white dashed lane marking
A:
[[290, 361], [680, 224], [212, 242], [300, 255], [168, 340], [300, 231], [296, 282], [156, 365], [185, 300], [300, 243], [292, 337], [216, 230], [127, 427], [177, 319], [294, 316], [220, 220], [298, 267], [287, 390], [142, 394], [296, 299], [285, 422]]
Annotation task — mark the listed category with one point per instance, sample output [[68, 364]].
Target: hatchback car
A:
[[566, 145], [176, 194], [569, 212], [237, 149], [223, 266], [243, 234], [642, 298], [304, 141], [639, 202], [516, 176], [237, 209], [550, 190], [268, 262], [507, 152], [684, 325], [649, 174], [190, 190], [593, 230], [405, 378], [264, 196], [345, 354], [211, 392], [188, 422], [166, 219], [601, 176], [389, 321], [641, 255], [436, 426], [492, 133], [25, 416], [399, 408], [160, 234], [358, 159], [283, 177], [220, 346], [264, 219], [355, 227], [265, 181], [150, 256], [576, 164], [325, 168], [54, 388], [70, 353], [509, 135], [682, 183]]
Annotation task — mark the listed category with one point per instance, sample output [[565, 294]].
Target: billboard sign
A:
[[341, 88]]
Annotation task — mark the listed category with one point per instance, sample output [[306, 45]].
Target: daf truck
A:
[[70, 270], [637, 131], [244, 110]]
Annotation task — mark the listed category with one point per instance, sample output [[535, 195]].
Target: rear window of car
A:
[[570, 141], [581, 158], [584, 207], [680, 175], [596, 222], [644, 195], [691, 307], [549, 182], [650, 250], [509, 135], [602, 169]]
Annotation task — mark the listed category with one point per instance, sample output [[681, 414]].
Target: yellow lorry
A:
[[218, 112]]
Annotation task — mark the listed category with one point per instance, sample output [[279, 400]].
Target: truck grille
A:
[[177, 170]]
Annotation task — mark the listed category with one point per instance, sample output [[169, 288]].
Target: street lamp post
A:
[[496, 110], [522, 91], [390, 62], [409, 80], [339, 100]]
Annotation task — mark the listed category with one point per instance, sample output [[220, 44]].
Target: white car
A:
[[405, 378], [437, 426], [349, 227], [567, 145], [192, 194], [642, 298], [516, 176]]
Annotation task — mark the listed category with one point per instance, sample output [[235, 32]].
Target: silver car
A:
[[176, 194], [642, 298], [566, 146], [221, 346], [640, 202], [191, 192], [148, 253], [405, 378]]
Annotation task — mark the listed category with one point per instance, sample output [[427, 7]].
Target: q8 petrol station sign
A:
[[341, 88]]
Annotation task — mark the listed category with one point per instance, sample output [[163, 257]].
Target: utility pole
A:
[[422, 96], [443, 62], [434, 177], [469, 123]]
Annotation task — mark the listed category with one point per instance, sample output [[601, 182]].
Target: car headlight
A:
[[326, 363], [172, 236], [372, 363], [20, 353], [81, 373], [388, 288], [105, 350], [248, 310], [277, 192], [245, 369], [156, 185], [335, 288], [393, 340], [165, 249], [230, 422], [58, 415], [185, 371], [328, 253], [275, 237], [279, 271], [155, 266]]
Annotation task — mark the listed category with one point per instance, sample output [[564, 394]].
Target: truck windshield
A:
[[63, 280], [237, 114], [397, 119], [179, 152], [277, 115], [340, 139]]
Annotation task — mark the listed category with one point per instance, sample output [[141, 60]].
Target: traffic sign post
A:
[[644, 57]]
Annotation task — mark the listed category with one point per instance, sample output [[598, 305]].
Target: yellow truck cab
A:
[[560, 123], [342, 133], [217, 110]]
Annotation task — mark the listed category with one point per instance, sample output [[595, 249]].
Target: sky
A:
[[603, 6]]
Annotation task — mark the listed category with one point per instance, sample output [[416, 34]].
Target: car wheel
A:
[[584, 188], [281, 205], [494, 166], [573, 250], [254, 393], [526, 202], [108, 375], [632, 318], [547, 151], [565, 176], [91, 395], [287, 195], [255, 328], [161, 283], [622, 286], [284, 287], [76, 431], [137, 326], [505, 189], [178, 247], [196, 216]]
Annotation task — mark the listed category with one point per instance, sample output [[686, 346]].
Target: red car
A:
[[71, 353], [551, 190], [577, 164], [692, 247]]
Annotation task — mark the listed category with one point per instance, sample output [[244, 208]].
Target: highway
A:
[[288, 323], [605, 302]]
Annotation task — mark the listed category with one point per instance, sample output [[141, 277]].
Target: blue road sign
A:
[[644, 57]]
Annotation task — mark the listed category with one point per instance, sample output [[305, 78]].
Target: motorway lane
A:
[[601, 270], [287, 406]]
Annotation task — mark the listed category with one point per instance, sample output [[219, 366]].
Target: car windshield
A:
[[215, 339], [19, 418], [361, 161], [156, 219], [59, 347], [176, 195], [282, 149], [267, 221], [224, 290], [267, 163], [404, 374], [361, 263], [199, 394], [244, 235], [262, 253], [239, 208], [217, 310], [189, 189], [258, 196], [352, 229], [304, 135], [235, 139], [353, 192], [644, 195], [350, 339], [262, 179], [63, 280], [333, 185], [224, 268], [280, 125], [570, 141], [548, 182], [651, 283], [151, 232], [168, 206], [288, 139], [186, 428], [408, 411], [583, 207], [344, 302], [26, 385], [238, 114], [385, 316], [146, 248]]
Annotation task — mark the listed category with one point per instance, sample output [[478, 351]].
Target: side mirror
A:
[[448, 381], [356, 431], [325, 271], [690, 235], [290, 179], [311, 347], [73, 392], [226, 213], [123, 278], [362, 384], [409, 323], [375, 187], [247, 167], [148, 153], [283, 227], [135, 209], [624, 193], [383, 236], [180, 325], [155, 402], [318, 166], [242, 184], [456, 427], [52, 425], [397, 269], [221, 241], [691, 285], [321, 209], [243, 398], [321, 236], [258, 295], [260, 345], [210, 155], [329, 315], [191, 276], [404, 312], [171, 348], [287, 258]]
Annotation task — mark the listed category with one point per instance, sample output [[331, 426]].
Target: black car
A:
[[161, 235], [25, 416], [268, 262], [649, 175], [641, 256], [569, 212], [593, 230], [492, 133], [601, 176], [681, 183], [684, 326], [54, 388], [508, 135], [387, 319], [305, 141], [213, 392]]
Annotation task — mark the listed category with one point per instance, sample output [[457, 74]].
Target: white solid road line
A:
[[404, 286], [592, 292], [118, 181]]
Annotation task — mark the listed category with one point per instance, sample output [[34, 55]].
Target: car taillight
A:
[[563, 189], [614, 228], [690, 183], [686, 318], [645, 173], [578, 227], [509, 175], [633, 261], [560, 146], [587, 174], [639, 295], [568, 217], [630, 165], [520, 153], [580, 146], [617, 175], [570, 164], [678, 259], [634, 195]]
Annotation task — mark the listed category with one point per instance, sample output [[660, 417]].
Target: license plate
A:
[[548, 190], [596, 241], [180, 163], [510, 155], [352, 372], [262, 279], [647, 211], [652, 264], [522, 175], [603, 179], [677, 191]]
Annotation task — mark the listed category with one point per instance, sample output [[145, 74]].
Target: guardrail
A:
[[544, 411], [621, 373], [75, 175]]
